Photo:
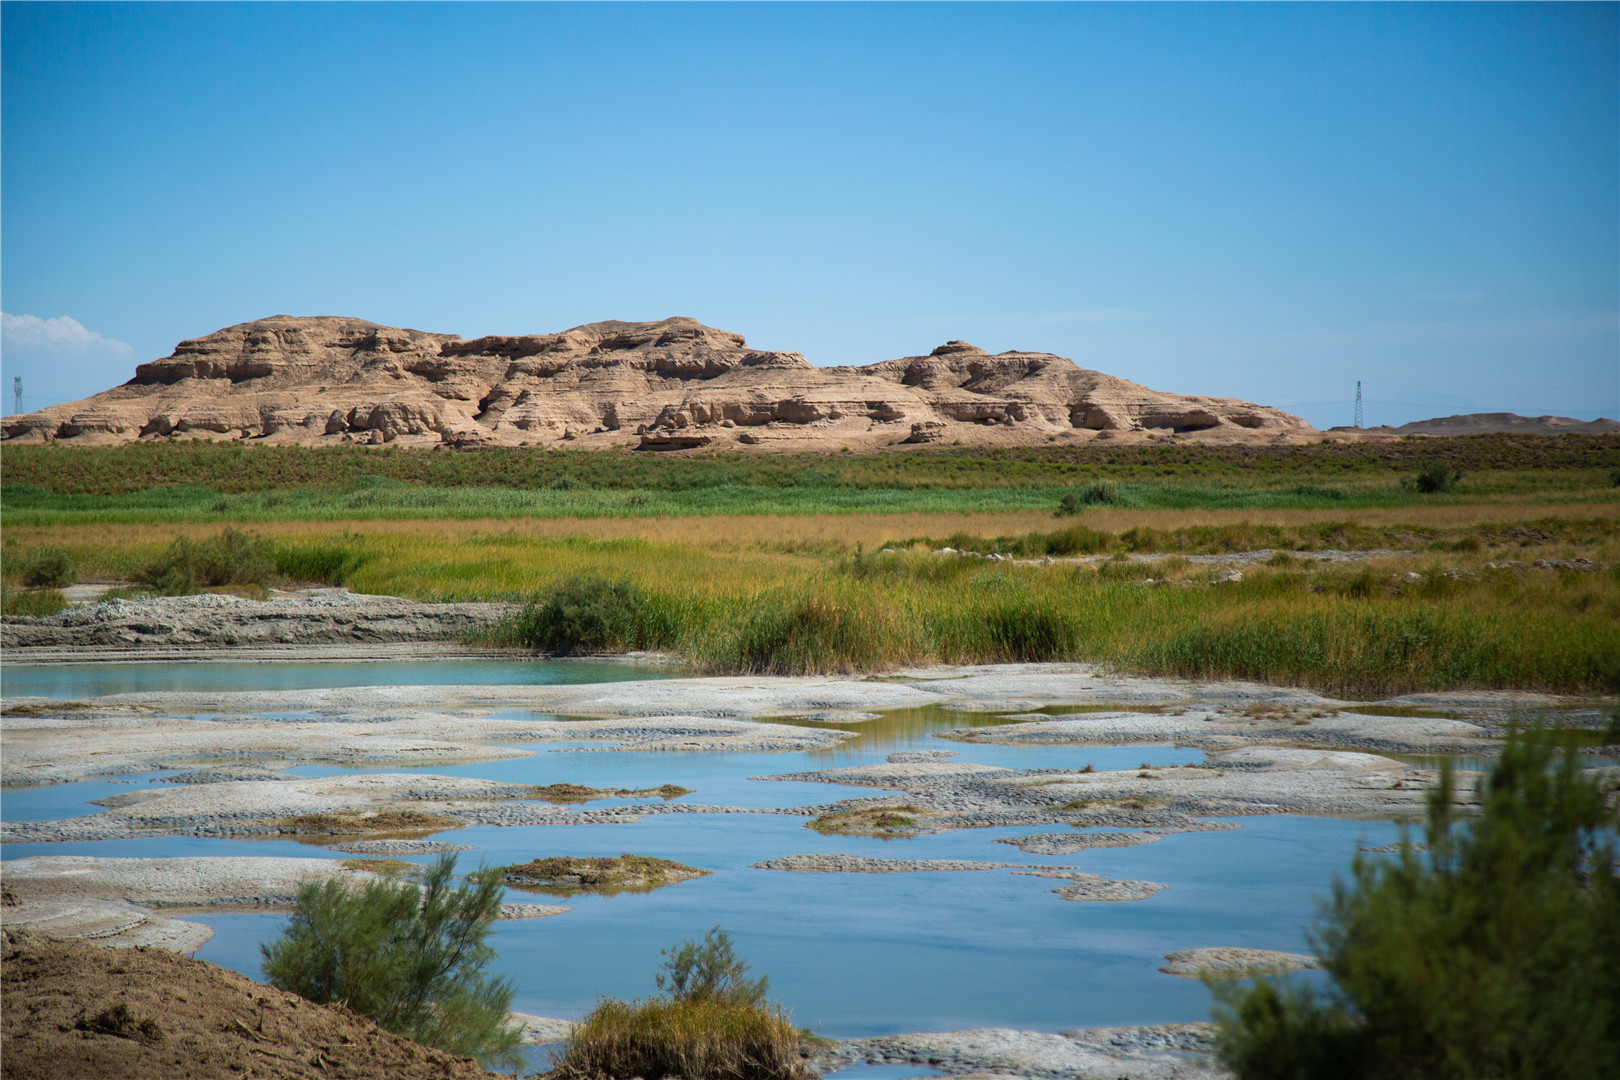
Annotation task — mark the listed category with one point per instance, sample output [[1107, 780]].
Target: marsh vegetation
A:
[[204, 482], [1482, 586]]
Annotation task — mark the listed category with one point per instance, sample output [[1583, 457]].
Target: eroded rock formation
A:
[[674, 384]]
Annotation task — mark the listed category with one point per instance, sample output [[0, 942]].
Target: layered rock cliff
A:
[[672, 384]]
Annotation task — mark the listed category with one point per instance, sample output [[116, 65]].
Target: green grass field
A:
[[750, 566], [206, 482]]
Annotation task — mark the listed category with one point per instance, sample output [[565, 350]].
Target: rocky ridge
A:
[[1496, 422], [667, 385]]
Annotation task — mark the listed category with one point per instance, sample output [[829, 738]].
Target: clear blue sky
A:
[[1263, 201]]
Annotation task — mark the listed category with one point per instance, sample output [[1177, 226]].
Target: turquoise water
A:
[[72, 682], [849, 954], [866, 954]]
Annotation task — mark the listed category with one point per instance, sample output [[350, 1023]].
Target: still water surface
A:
[[850, 954], [70, 682]]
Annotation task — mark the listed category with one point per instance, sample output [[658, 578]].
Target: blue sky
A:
[[1261, 201]]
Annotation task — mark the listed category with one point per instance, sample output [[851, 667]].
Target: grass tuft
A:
[[687, 1038], [870, 821], [33, 603], [582, 614]]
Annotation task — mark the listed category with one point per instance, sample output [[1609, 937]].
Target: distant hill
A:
[[1485, 423], [669, 385]]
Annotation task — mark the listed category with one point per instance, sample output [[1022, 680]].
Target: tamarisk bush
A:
[[410, 957]]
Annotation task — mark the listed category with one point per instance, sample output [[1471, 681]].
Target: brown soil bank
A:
[[74, 1010], [214, 621]]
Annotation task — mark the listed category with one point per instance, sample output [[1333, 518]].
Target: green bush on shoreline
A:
[[231, 558], [410, 957], [1493, 955], [712, 1021]]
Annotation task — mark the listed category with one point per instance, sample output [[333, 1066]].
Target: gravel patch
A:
[[1158, 1052], [1233, 963], [1093, 888], [1069, 843], [214, 621], [221, 775], [400, 847], [542, 1029], [860, 864], [531, 911]]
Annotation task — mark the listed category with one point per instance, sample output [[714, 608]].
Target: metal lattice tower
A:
[[1358, 403], [16, 389]]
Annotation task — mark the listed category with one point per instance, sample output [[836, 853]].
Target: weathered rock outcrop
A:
[[674, 384]]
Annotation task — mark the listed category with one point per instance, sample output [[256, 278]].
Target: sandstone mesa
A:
[[668, 385]]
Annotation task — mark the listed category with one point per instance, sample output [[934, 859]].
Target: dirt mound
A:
[[670, 385], [1495, 422], [73, 1010]]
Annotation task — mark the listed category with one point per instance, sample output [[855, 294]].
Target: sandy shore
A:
[[1156, 1052], [124, 903]]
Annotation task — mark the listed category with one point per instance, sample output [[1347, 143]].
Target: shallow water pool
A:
[[849, 954], [72, 682]]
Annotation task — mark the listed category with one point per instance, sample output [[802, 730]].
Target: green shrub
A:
[[581, 614], [50, 566], [714, 1024], [1438, 476], [691, 1039], [33, 604], [1493, 956], [231, 558], [1102, 493], [411, 958], [710, 969]]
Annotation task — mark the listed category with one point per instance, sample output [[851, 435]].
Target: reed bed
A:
[[794, 609], [1365, 629]]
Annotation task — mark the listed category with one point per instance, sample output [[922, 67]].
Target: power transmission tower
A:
[[1358, 403], [16, 388]]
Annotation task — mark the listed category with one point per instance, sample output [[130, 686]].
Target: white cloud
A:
[[62, 334]]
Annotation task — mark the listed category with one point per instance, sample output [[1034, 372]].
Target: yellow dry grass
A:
[[754, 531]]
